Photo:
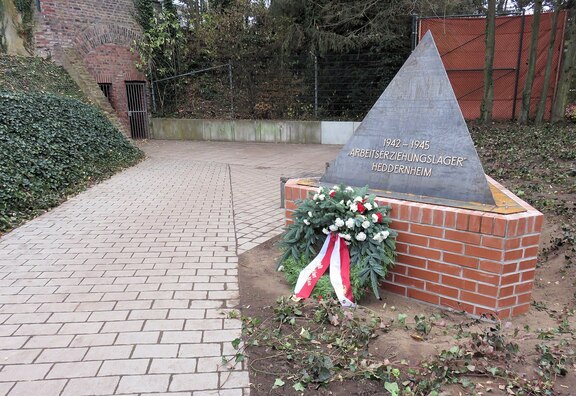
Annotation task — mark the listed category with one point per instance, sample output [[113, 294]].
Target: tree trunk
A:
[[490, 38], [527, 91], [548, 70], [567, 70]]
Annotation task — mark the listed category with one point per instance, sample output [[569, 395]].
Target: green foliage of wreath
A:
[[323, 288], [357, 218]]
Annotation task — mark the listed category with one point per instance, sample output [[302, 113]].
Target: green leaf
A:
[[402, 318], [392, 387], [298, 386], [236, 343], [278, 383]]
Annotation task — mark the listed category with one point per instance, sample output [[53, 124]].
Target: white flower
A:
[[309, 213], [375, 205], [345, 236], [306, 222], [326, 231], [281, 268], [354, 208], [358, 199], [341, 202], [366, 224], [368, 206], [336, 188], [381, 236], [333, 227], [347, 243], [349, 189], [339, 222], [348, 203], [321, 197], [331, 192], [350, 223], [361, 236], [374, 218], [315, 197]]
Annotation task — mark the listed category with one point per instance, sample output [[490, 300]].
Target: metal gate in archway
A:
[[137, 109]]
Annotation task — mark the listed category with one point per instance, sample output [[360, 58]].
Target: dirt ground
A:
[[554, 293]]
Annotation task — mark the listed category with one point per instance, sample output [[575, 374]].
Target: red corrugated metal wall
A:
[[460, 41]]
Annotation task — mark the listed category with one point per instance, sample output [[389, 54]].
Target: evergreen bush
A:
[[51, 147]]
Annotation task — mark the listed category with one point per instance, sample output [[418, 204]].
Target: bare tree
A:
[[568, 66], [527, 91], [490, 39], [549, 59]]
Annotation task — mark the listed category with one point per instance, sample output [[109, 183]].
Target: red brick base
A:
[[472, 261]]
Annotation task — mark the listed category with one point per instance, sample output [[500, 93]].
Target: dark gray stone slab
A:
[[414, 140]]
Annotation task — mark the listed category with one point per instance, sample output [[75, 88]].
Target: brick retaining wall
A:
[[467, 260], [101, 33]]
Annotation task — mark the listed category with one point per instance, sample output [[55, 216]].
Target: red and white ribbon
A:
[[334, 254]]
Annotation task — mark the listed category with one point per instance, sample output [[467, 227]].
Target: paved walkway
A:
[[125, 288]]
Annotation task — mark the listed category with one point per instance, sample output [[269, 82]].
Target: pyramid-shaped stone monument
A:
[[414, 143]]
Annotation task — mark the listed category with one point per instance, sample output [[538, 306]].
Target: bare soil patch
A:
[[402, 345]]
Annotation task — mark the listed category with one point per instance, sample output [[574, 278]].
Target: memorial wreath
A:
[[350, 235]]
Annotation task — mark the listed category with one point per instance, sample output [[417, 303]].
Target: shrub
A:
[[51, 147]]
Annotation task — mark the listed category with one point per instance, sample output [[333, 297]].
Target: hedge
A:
[[51, 147]]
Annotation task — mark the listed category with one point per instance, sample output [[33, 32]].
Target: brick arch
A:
[[102, 34]]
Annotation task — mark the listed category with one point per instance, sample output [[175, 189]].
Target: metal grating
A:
[[107, 91], [137, 109]]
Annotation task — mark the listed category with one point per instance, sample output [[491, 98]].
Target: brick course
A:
[[477, 262]]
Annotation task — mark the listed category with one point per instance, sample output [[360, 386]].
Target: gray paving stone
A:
[[124, 367], [220, 335], [5, 387], [187, 382], [19, 356], [152, 351], [81, 328], [167, 324], [181, 337], [143, 383], [49, 341], [233, 379], [44, 388], [85, 340], [138, 337], [12, 342], [91, 386], [24, 372], [109, 352], [62, 355], [173, 366], [200, 350], [74, 370]]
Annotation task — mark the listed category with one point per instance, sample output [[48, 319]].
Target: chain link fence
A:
[[333, 87]]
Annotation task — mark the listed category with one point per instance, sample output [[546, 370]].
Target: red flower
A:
[[361, 208], [379, 215], [332, 193]]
